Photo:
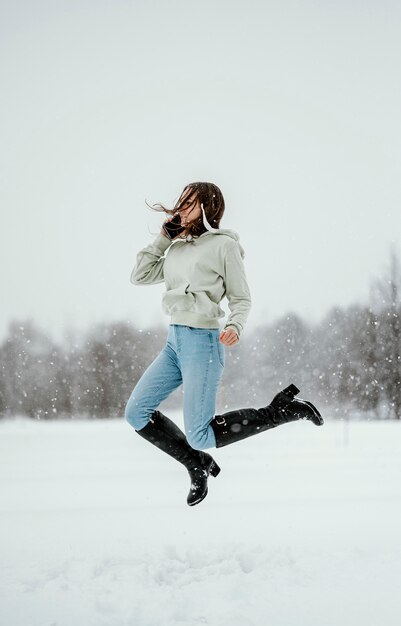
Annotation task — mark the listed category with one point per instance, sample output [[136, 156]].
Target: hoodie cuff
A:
[[234, 327], [162, 243]]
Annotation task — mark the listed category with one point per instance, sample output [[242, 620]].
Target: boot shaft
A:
[[243, 423], [163, 433]]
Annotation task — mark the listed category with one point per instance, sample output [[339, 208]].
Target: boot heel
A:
[[284, 397], [214, 469], [291, 390]]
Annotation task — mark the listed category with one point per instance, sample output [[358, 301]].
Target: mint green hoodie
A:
[[198, 272]]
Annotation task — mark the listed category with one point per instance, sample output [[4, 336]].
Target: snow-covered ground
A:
[[301, 527]]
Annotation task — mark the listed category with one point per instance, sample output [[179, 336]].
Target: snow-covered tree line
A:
[[349, 363]]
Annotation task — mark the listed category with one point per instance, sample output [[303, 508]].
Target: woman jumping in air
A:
[[204, 263]]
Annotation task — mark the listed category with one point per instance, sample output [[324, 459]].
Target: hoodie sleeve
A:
[[237, 290], [149, 266]]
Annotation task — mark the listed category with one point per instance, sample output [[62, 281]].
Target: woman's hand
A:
[[229, 337], [180, 228], [162, 231]]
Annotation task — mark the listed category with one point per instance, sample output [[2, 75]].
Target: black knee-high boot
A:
[[165, 434], [242, 423]]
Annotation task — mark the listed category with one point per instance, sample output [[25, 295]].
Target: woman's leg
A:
[[157, 382], [161, 377], [202, 360]]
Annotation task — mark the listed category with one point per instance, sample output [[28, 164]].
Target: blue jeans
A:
[[195, 358]]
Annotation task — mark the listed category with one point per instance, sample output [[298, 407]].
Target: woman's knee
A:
[[198, 440], [132, 418], [136, 416]]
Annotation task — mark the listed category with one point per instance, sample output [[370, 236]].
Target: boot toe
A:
[[196, 497], [309, 412], [198, 490]]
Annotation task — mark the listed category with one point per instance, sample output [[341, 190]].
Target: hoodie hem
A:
[[188, 318]]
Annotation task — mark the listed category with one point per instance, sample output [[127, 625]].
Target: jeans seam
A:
[[205, 383], [218, 352]]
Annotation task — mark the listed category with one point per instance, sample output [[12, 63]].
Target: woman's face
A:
[[190, 208]]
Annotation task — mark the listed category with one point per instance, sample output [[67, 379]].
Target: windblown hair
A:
[[211, 198]]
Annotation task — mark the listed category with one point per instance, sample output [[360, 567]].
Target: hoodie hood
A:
[[217, 231]]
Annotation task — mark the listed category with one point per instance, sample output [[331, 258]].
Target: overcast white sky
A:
[[292, 108]]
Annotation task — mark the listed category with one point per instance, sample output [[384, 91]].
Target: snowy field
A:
[[302, 527]]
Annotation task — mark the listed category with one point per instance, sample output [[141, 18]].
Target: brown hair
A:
[[213, 203]]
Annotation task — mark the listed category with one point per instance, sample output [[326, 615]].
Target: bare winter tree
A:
[[28, 371], [386, 301], [359, 376], [331, 341]]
